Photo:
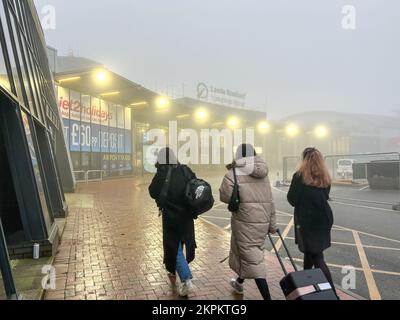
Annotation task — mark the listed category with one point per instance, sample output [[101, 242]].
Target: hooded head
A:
[[166, 156], [249, 163], [245, 151]]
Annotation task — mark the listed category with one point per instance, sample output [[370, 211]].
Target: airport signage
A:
[[221, 96]]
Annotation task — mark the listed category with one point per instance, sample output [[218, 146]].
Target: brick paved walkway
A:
[[112, 249]]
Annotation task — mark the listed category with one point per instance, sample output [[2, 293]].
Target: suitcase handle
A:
[[279, 256]]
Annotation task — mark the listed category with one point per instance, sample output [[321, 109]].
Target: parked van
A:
[[345, 169]]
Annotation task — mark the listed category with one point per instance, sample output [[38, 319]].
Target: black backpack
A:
[[198, 194]]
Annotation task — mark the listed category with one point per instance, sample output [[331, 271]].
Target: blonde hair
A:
[[313, 169]]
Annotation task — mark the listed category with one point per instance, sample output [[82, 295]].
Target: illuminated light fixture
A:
[[69, 79], [292, 130], [139, 104], [263, 127], [321, 132], [183, 116], [108, 94], [233, 123], [162, 103], [201, 115], [217, 124], [101, 76]]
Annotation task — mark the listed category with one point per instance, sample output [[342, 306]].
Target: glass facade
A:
[[98, 134], [29, 124]]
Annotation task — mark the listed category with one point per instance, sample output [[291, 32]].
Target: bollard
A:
[[36, 251]]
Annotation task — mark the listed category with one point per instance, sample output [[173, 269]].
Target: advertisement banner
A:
[[92, 125]]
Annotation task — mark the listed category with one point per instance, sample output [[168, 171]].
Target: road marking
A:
[[218, 218], [390, 273], [354, 245], [372, 288], [350, 230], [364, 207], [285, 233], [209, 222], [280, 190], [361, 200], [365, 188]]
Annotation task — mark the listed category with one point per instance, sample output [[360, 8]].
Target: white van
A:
[[345, 169]]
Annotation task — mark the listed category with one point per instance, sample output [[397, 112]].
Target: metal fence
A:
[[89, 176], [379, 169]]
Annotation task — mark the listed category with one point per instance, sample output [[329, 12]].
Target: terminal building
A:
[[34, 160], [107, 118]]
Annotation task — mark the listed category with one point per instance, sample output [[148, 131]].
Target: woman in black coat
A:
[[313, 218], [177, 219]]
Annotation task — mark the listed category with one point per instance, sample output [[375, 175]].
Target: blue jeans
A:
[[182, 267]]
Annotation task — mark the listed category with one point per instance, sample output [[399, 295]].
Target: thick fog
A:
[[287, 56]]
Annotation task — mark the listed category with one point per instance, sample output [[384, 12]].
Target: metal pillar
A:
[[6, 271]]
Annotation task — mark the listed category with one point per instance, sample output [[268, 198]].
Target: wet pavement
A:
[[112, 249]]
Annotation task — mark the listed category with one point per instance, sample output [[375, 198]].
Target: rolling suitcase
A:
[[303, 285]]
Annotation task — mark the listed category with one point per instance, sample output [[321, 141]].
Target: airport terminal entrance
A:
[[26, 207]]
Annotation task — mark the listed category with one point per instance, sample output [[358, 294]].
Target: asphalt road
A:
[[366, 236]]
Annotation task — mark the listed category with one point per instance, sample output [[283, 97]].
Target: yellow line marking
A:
[[372, 288], [351, 230], [284, 234], [354, 245], [391, 273]]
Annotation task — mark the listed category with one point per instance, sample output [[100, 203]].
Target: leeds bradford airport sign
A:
[[221, 96]]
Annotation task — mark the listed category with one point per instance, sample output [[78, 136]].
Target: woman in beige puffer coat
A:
[[254, 219]]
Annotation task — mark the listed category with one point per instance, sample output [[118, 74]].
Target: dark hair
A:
[[166, 156], [245, 151]]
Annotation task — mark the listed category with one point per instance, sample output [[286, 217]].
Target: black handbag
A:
[[234, 203]]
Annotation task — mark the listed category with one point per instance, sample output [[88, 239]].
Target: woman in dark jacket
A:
[[177, 220], [313, 218]]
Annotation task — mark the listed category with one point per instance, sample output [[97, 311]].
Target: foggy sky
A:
[[288, 56]]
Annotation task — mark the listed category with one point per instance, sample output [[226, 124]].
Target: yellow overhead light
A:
[[139, 104], [101, 76], [162, 103], [233, 122], [113, 93], [321, 132], [263, 127], [69, 79], [201, 115], [292, 130]]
